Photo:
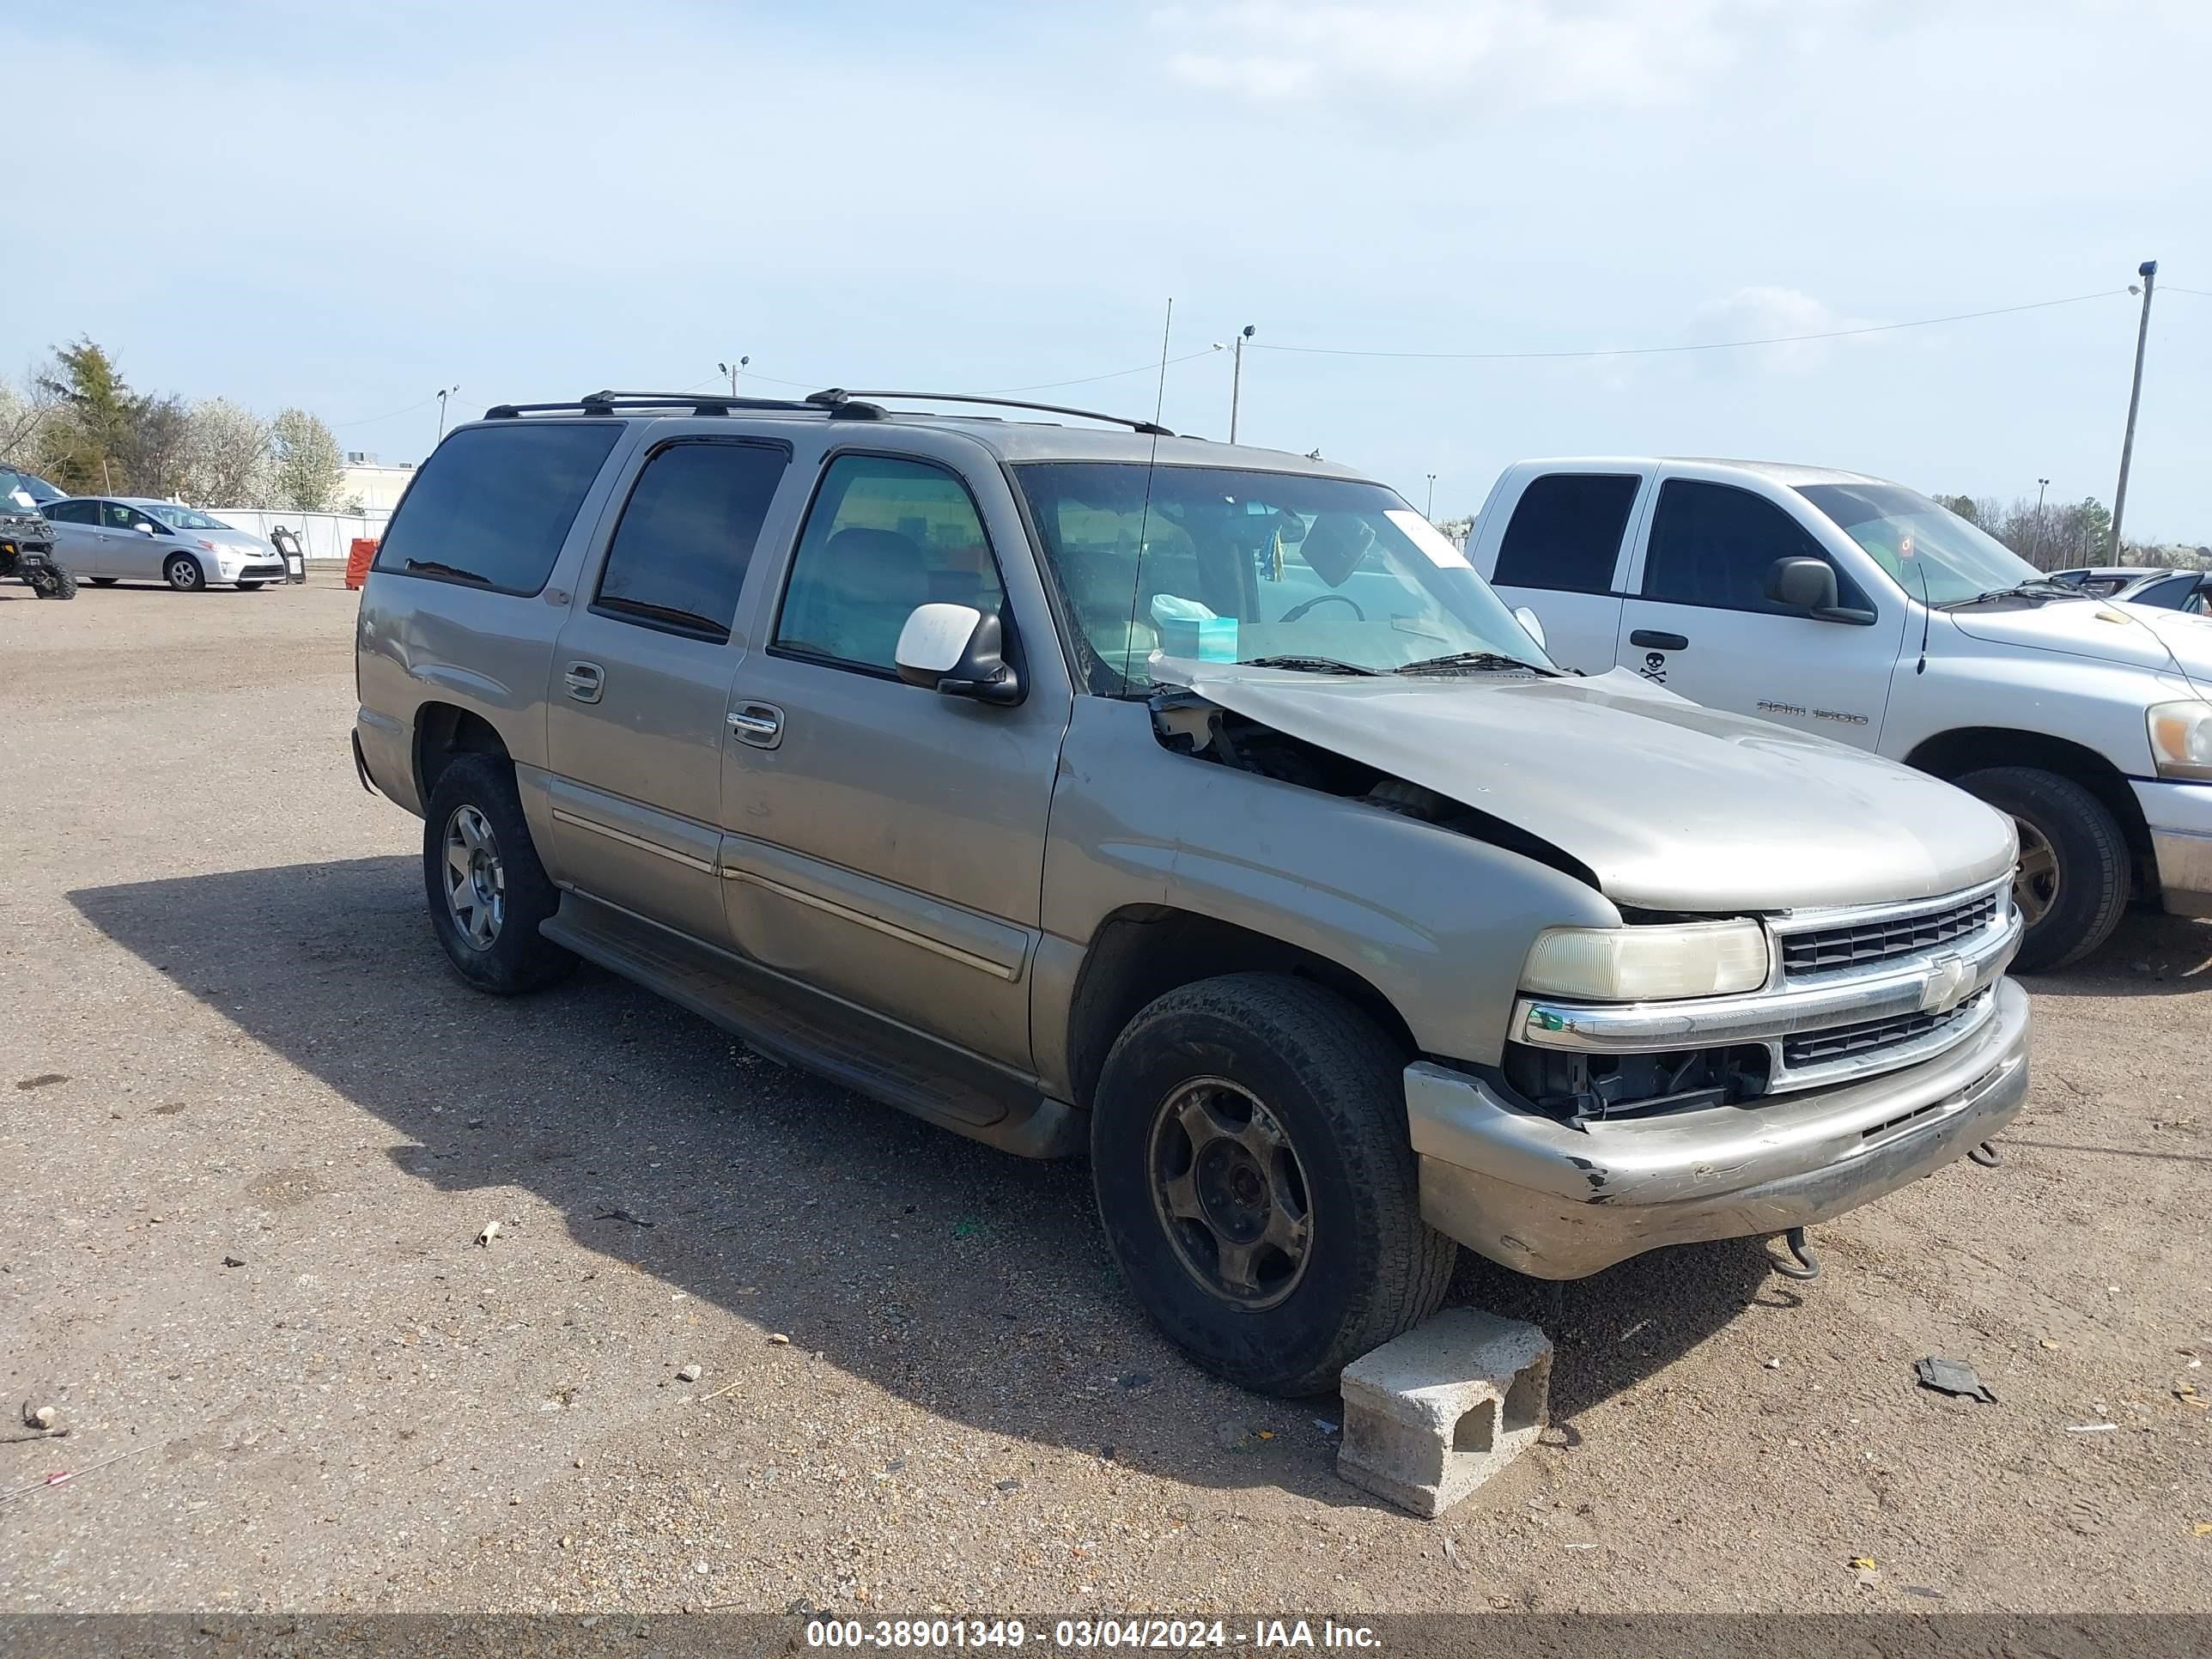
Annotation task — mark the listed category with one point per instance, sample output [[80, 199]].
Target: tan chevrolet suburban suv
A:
[[1197, 807]]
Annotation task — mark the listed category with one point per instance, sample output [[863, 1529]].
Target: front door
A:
[[640, 683], [1700, 623], [128, 551], [886, 842], [77, 545]]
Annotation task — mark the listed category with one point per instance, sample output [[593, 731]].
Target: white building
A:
[[374, 485]]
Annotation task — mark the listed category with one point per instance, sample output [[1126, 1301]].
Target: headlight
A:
[[2181, 739], [1648, 964]]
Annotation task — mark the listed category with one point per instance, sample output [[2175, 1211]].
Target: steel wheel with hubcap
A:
[[2035, 883], [1250, 1154], [1227, 1187], [476, 883]]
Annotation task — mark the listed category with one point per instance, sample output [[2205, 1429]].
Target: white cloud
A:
[[1504, 54], [1781, 314]]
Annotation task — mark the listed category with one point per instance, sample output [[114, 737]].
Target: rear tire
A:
[[102, 581], [2075, 869], [183, 573], [1343, 1261], [486, 890]]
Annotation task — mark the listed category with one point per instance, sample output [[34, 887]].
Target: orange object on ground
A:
[[359, 557]]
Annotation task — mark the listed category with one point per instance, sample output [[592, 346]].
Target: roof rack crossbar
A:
[[835, 395], [602, 403]]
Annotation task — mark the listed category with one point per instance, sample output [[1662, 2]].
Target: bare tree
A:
[[27, 413], [156, 447], [231, 456], [309, 469]]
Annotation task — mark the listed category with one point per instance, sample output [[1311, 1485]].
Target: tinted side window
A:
[[2168, 594], [687, 533], [1713, 545], [1565, 533], [496, 503], [884, 535], [73, 511]]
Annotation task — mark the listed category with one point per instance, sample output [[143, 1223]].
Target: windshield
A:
[[181, 518], [1236, 566], [26, 489], [1917, 542]]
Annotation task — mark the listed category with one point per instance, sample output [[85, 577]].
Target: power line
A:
[[1701, 345], [1151, 368], [371, 420], [2201, 293]]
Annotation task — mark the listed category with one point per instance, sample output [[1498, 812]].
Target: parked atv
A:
[[27, 550]]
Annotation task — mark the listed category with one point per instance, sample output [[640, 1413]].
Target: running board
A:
[[802, 1027]]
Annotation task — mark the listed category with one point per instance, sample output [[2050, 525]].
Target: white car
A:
[[1860, 610], [106, 539]]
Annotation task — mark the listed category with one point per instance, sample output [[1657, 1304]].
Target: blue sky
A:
[[346, 208]]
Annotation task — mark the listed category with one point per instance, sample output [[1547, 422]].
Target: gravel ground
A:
[[253, 1129]]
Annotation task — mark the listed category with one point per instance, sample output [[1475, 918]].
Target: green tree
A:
[[100, 413], [308, 473], [1964, 506]]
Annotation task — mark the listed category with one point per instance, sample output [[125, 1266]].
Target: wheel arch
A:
[[443, 733], [1951, 755], [1142, 952]]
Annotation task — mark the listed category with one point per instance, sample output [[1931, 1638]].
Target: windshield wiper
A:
[[1308, 664], [432, 568], [1474, 659], [2035, 587], [666, 613]]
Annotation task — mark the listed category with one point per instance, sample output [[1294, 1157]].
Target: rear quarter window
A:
[[493, 504]]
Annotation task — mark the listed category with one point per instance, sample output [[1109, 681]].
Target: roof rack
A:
[[607, 402], [836, 400]]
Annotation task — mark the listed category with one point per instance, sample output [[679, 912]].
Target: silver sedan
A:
[[106, 539]]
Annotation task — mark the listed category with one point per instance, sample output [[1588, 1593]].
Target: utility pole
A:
[[2149, 271], [1430, 515], [2041, 540], [444, 392], [731, 369], [1237, 381]]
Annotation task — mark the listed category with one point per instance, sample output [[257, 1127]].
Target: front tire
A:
[[183, 573], [1250, 1154], [486, 890], [54, 583], [246, 587], [2072, 888]]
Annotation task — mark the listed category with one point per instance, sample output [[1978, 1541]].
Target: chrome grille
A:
[[1868, 943], [1840, 1040]]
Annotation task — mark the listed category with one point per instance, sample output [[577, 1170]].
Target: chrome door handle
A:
[[585, 681], [759, 724]]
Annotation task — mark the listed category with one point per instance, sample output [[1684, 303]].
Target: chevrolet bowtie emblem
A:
[[1948, 979]]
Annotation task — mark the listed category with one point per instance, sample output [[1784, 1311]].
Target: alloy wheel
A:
[[2035, 885], [476, 881]]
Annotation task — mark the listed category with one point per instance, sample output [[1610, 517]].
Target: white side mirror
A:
[[1528, 620], [145, 527]]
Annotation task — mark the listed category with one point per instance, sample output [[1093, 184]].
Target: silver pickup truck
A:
[[1196, 806]]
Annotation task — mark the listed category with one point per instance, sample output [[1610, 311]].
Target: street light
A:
[[731, 369], [1430, 515], [2041, 540], [444, 392], [2149, 271], [1237, 381]]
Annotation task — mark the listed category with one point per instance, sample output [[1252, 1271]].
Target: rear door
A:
[[1701, 625], [1556, 548], [639, 696], [77, 546]]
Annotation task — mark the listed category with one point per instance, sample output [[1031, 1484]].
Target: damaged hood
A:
[[2138, 635], [1672, 806]]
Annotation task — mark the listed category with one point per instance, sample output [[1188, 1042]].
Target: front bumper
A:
[[2181, 819], [1561, 1202]]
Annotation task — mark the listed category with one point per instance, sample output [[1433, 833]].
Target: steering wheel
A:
[[1300, 610]]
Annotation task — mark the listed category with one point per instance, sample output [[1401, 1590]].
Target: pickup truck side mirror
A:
[[957, 651], [1809, 587]]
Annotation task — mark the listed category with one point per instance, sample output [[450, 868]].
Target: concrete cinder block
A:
[[1432, 1415]]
